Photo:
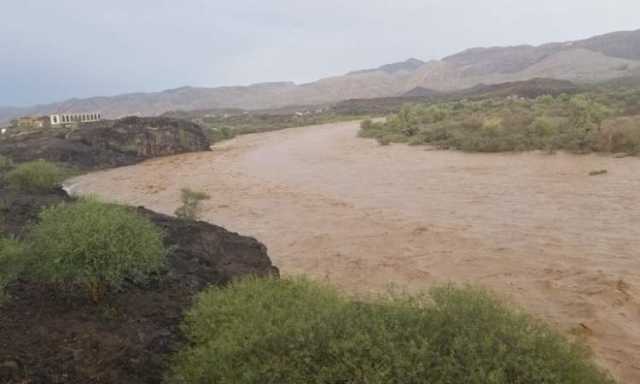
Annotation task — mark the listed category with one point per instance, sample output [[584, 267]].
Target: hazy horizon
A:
[[78, 49]]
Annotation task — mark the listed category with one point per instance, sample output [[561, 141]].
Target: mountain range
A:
[[600, 58]]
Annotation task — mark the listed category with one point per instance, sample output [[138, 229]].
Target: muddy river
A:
[[534, 227]]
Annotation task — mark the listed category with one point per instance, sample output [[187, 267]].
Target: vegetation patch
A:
[[5, 163], [94, 245], [295, 331], [36, 176], [12, 262], [190, 208], [600, 121]]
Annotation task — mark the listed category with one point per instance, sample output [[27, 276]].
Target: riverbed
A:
[[534, 227]]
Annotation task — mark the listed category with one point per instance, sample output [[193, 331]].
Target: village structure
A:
[[55, 120], [70, 118]]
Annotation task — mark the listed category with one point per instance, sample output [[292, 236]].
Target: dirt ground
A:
[[534, 227]]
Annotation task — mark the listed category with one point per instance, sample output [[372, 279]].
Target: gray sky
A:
[[57, 49]]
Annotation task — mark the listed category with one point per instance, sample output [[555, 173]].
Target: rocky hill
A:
[[107, 143], [600, 58]]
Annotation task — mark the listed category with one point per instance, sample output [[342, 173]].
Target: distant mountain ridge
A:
[[601, 58], [408, 66]]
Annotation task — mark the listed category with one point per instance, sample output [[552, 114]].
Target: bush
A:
[[5, 163], [190, 204], [36, 176], [220, 134], [294, 331], [11, 263], [383, 140], [620, 135], [586, 122], [366, 124], [96, 245]]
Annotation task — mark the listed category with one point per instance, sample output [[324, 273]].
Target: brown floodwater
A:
[[533, 227]]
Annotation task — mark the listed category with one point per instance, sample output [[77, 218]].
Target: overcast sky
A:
[[54, 50]]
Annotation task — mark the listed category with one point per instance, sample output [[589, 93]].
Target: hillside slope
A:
[[600, 58]]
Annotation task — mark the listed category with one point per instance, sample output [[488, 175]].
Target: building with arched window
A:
[[74, 118]]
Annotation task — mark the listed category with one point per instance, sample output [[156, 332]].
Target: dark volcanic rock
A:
[[19, 209], [203, 253], [56, 335], [108, 143]]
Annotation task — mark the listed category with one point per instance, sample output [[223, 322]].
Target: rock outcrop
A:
[[54, 334], [108, 144], [48, 337]]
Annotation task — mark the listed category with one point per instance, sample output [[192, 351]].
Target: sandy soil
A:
[[534, 227]]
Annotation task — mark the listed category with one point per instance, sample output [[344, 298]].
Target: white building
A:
[[73, 118]]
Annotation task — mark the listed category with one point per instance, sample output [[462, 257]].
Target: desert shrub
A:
[[294, 331], [573, 123], [371, 129], [36, 176], [383, 140], [5, 163], [221, 133], [95, 245], [12, 262], [473, 121], [366, 124], [620, 135], [190, 207]]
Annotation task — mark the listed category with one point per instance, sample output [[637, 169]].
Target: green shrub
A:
[[366, 124], [12, 263], [284, 331], [5, 163], [190, 208], [36, 176], [586, 122], [221, 133], [94, 244]]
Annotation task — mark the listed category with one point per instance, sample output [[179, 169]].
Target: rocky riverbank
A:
[[50, 338]]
